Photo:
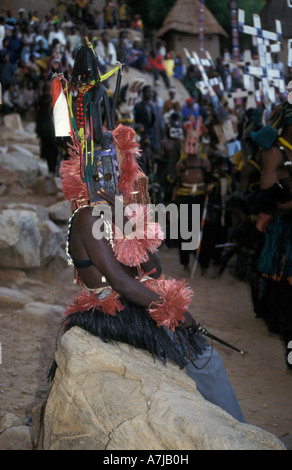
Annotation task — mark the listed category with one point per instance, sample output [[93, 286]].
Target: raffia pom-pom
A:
[[86, 301], [175, 298], [144, 236]]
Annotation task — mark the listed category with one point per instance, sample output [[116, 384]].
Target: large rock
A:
[[14, 434], [20, 150], [28, 238], [113, 397]]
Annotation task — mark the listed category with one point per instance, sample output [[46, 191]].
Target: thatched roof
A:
[[277, 10], [184, 17]]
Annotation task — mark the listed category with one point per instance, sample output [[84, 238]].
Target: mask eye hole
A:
[[107, 177]]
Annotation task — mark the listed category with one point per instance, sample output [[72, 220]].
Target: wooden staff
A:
[[201, 29], [204, 216]]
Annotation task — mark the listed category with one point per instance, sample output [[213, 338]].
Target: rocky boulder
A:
[[113, 397], [14, 433], [28, 238]]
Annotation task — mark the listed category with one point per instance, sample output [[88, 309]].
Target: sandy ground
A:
[[261, 379]]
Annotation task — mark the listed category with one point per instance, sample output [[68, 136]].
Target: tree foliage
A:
[[153, 12], [222, 10]]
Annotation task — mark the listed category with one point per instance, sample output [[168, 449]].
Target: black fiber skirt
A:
[[135, 327]]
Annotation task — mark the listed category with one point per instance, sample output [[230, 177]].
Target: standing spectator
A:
[[2, 31], [21, 20], [108, 14], [7, 72], [169, 64], [82, 9], [14, 46], [45, 128], [155, 64], [122, 14], [145, 115]]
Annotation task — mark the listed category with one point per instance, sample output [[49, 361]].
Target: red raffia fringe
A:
[[74, 188], [134, 248], [124, 138], [175, 296], [89, 300]]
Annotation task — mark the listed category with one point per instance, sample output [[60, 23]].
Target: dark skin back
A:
[[121, 278]]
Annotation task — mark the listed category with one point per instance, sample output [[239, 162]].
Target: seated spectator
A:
[[10, 20], [179, 68], [57, 33], [190, 80], [27, 96], [190, 108], [137, 23], [10, 100], [98, 20], [137, 57], [40, 48], [32, 69], [123, 43], [35, 18], [74, 38], [44, 24], [41, 36], [67, 24], [171, 103], [28, 40], [106, 52]]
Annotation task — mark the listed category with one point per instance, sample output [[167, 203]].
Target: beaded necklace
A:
[[83, 99]]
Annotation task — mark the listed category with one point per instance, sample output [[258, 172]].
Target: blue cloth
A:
[[212, 382], [209, 374], [276, 256]]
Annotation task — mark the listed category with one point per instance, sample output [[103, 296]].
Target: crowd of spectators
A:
[[30, 42]]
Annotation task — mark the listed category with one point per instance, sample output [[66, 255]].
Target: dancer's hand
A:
[[189, 321]]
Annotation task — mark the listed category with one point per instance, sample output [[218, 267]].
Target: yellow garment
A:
[[122, 12], [169, 66], [238, 160]]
